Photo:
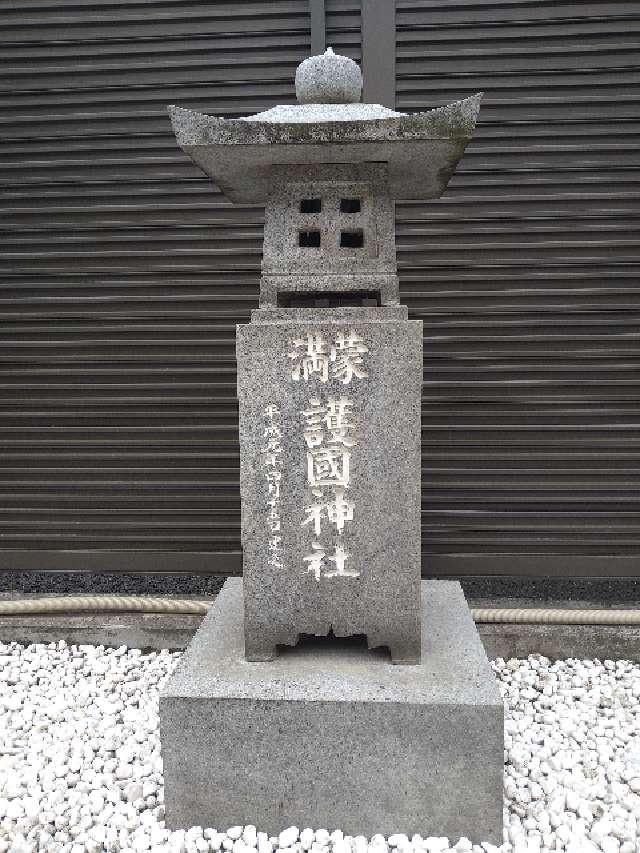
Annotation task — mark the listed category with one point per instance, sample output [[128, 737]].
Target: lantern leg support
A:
[[260, 652]]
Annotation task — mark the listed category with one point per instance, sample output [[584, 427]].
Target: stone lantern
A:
[[329, 387]]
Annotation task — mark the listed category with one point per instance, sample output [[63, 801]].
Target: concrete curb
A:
[[152, 631]]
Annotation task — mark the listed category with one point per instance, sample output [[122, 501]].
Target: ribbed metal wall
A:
[[125, 272], [526, 277], [124, 275], [343, 27]]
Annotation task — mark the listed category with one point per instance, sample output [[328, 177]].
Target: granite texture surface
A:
[[273, 288], [329, 267], [330, 734], [335, 544], [453, 121], [329, 78], [365, 183], [330, 315], [421, 150], [297, 113]]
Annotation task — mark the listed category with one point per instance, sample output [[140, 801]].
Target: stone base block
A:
[[330, 734]]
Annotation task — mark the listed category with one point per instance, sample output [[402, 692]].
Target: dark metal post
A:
[[379, 52], [318, 27]]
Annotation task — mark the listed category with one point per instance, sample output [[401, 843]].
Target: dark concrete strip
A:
[[158, 631], [562, 641], [138, 630], [480, 591]]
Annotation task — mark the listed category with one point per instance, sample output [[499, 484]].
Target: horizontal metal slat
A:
[[120, 255]]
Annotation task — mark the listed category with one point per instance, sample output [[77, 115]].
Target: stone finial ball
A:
[[328, 79]]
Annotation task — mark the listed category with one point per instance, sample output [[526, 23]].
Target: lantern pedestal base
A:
[[330, 734]]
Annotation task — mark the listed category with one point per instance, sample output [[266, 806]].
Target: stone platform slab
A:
[[330, 734]]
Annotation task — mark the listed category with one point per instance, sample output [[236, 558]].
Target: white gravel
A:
[[80, 766]]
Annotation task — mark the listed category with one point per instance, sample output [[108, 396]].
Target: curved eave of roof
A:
[[454, 121]]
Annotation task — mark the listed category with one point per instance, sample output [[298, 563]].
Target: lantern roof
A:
[[329, 125]]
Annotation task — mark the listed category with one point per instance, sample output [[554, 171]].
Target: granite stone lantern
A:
[[403, 732]]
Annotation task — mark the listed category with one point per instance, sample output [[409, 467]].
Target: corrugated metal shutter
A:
[[343, 27], [526, 277], [123, 277], [125, 273]]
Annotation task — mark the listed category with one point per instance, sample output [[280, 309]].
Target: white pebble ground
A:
[[80, 766]]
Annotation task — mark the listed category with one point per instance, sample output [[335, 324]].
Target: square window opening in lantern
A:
[[350, 205], [309, 239], [352, 239], [311, 205]]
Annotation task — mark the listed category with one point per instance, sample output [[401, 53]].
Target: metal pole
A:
[[379, 52], [318, 27]]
